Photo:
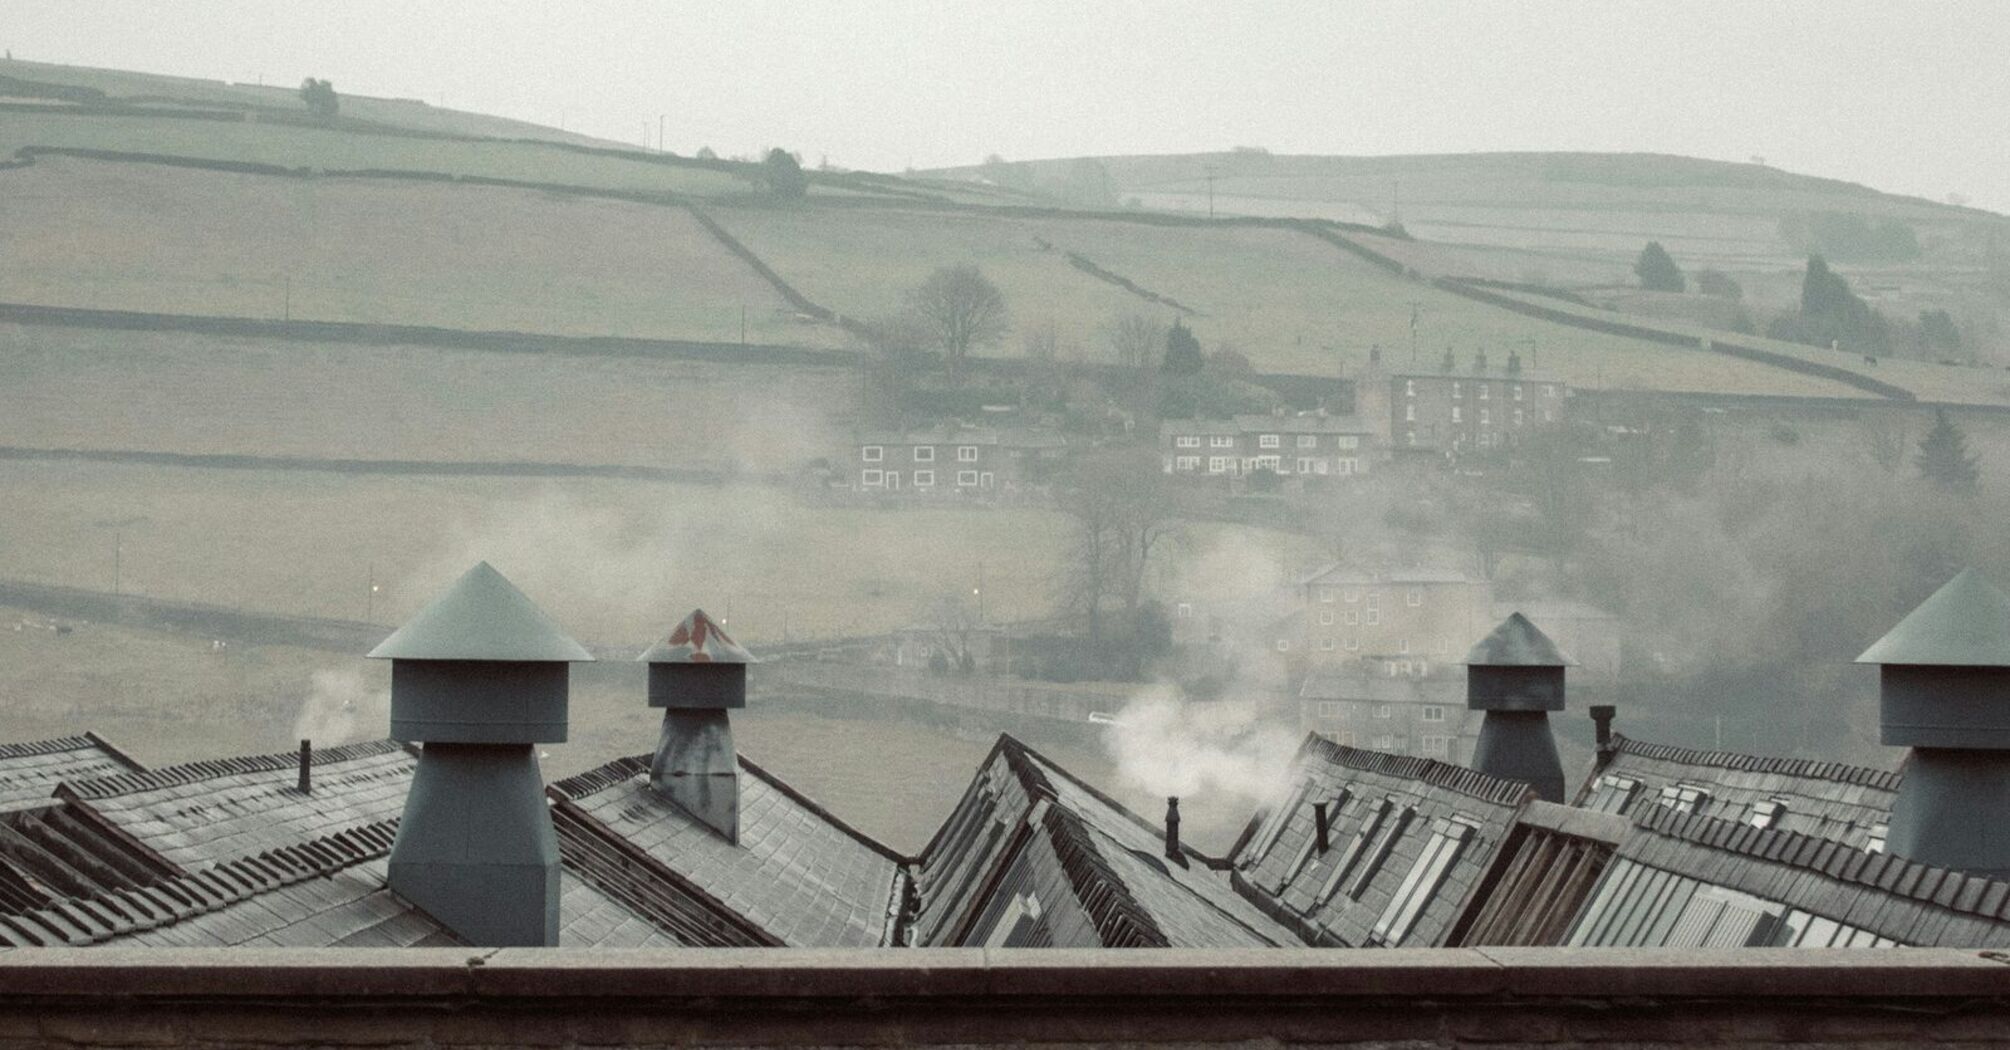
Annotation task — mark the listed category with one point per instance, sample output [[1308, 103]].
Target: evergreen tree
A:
[[1183, 356], [319, 95], [1944, 458], [784, 174], [1657, 270]]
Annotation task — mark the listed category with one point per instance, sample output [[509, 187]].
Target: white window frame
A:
[[872, 453], [966, 479], [1305, 465], [1221, 441], [1186, 463], [1434, 744], [1431, 713], [1325, 617], [1268, 441], [966, 453], [872, 478], [1486, 389], [1458, 390], [924, 479], [1457, 416], [928, 457], [1187, 441], [1414, 598], [1308, 441], [1217, 464]]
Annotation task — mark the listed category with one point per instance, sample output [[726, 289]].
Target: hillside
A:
[[141, 206]]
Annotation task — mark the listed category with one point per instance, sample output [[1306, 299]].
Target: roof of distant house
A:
[[1342, 573], [1004, 437]]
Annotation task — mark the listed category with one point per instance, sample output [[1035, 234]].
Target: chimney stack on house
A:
[[1173, 851], [696, 676], [1515, 675], [1944, 692], [1479, 362], [480, 676], [306, 767], [1320, 826]]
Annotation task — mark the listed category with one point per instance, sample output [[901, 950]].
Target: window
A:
[[1357, 847], [1548, 416], [1435, 745], [1217, 464], [1517, 417], [1326, 595], [1275, 825], [1385, 742], [1875, 844], [1458, 391], [1423, 669], [1374, 616], [1267, 441], [924, 453], [1187, 463], [1380, 853], [1383, 710], [1185, 610], [1767, 813], [1308, 441], [1325, 617], [872, 453], [1319, 466], [1448, 840], [1305, 465], [924, 479], [872, 477], [1409, 388], [1414, 598], [966, 453], [1350, 594], [1283, 645], [1329, 710], [1549, 390], [1611, 794], [1457, 415], [1684, 798], [1431, 713], [1353, 644], [1410, 416], [1020, 926], [966, 479], [1485, 417], [1348, 441], [1221, 441], [1348, 466], [1409, 437], [1187, 441], [1326, 645], [1352, 618], [1485, 389]]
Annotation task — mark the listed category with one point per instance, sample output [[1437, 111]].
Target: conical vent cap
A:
[[1965, 624], [1517, 643], [697, 640], [481, 617]]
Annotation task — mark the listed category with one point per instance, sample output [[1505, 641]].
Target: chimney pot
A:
[[306, 766], [1173, 851], [1601, 721], [1319, 825], [697, 675]]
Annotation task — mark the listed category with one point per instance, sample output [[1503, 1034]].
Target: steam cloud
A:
[[342, 708], [1167, 747]]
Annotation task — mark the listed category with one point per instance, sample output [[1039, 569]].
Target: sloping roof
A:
[[1408, 841], [1720, 883], [58, 848], [697, 640], [1303, 424], [1026, 822], [1830, 800], [1339, 573], [1516, 642], [481, 617], [798, 876], [1007, 437], [1966, 623], [202, 813], [31, 770], [1553, 859]]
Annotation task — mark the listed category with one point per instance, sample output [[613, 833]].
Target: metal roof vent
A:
[[1944, 685], [697, 675], [1515, 675], [480, 677]]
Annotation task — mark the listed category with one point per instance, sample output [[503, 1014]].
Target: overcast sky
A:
[[1908, 97]]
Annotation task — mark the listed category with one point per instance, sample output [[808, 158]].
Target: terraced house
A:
[[1307, 446], [1450, 411], [964, 461]]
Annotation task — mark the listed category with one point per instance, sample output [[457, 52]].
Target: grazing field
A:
[[183, 392], [173, 240]]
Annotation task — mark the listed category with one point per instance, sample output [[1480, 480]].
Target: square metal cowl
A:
[[1514, 688], [705, 686], [479, 701]]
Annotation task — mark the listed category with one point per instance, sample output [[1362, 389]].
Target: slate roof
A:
[[29, 771], [1408, 842], [798, 876], [1028, 829], [697, 640], [482, 616], [1688, 880], [201, 813], [1553, 859], [1516, 642], [1338, 573], [1966, 623], [1829, 800]]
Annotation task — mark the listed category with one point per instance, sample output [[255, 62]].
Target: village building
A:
[[957, 461], [1407, 622], [1455, 411], [1309, 446], [1403, 714]]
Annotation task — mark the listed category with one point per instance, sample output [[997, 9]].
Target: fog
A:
[[1159, 384]]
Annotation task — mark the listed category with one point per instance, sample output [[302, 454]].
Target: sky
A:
[[1907, 97]]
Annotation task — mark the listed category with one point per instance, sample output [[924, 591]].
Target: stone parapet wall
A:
[[939, 997]]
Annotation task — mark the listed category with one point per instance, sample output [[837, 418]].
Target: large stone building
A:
[[1451, 411], [1412, 622], [956, 461]]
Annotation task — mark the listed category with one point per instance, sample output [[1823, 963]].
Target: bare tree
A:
[[960, 309], [954, 623], [1043, 340], [1122, 515], [1137, 340]]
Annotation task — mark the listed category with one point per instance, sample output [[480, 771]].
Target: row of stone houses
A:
[[966, 461], [693, 844]]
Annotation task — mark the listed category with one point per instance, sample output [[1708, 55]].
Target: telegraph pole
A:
[[659, 131], [1210, 191]]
